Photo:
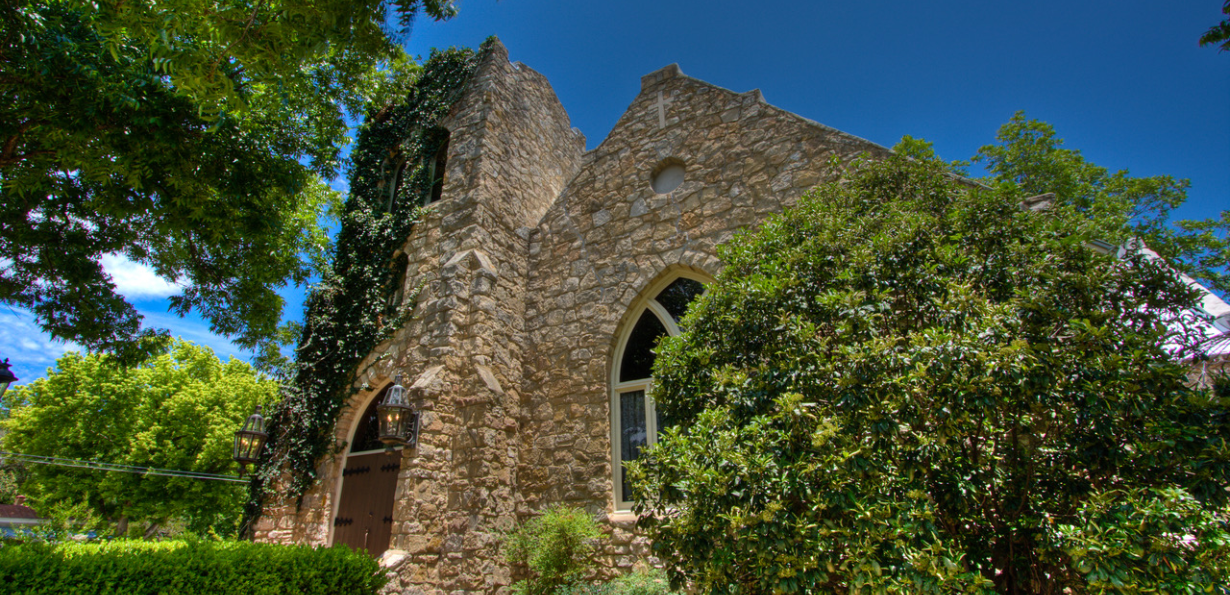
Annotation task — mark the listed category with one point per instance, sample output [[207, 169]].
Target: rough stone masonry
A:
[[535, 265]]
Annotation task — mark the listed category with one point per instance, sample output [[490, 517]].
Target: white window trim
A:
[[651, 433], [646, 384]]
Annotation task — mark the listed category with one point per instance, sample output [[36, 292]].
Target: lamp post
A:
[[249, 440], [6, 377], [399, 423]]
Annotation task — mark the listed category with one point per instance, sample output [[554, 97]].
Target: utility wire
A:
[[114, 466], [99, 466]]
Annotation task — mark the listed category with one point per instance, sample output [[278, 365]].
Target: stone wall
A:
[[609, 237], [511, 152]]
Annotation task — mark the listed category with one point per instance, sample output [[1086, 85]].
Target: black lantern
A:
[[399, 423], [6, 377], [250, 439]]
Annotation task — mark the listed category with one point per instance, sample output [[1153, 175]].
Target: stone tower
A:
[[511, 151]]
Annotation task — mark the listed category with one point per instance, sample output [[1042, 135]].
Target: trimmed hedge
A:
[[186, 566]]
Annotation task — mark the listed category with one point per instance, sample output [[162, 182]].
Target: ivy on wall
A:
[[356, 305]]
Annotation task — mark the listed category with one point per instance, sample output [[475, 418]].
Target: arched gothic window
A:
[[634, 419]]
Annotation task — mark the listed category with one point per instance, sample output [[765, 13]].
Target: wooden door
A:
[[365, 514]]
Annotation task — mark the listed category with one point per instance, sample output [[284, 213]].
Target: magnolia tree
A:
[[176, 411], [909, 384]]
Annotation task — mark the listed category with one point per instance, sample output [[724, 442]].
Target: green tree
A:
[[178, 410], [910, 384], [8, 484], [1219, 32], [188, 135], [1028, 159]]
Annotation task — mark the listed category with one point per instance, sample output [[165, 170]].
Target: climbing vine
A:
[[355, 305]]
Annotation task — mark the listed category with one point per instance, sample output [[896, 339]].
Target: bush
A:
[[911, 385], [186, 567], [557, 548], [651, 581]]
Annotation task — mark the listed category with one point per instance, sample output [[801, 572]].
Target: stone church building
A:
[[548, 272]]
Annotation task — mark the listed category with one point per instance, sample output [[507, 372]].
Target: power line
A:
[[117, 467]]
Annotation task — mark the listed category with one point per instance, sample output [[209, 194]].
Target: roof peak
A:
[[669, 71]]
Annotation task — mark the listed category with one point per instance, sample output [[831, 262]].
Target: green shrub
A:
[[907, 384], [64, 520], [189, 566], [651, 581], [557, 548]]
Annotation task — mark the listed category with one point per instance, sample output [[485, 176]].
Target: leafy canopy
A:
[[1028, 159], [909, 384], [178, 410], [190, 136]]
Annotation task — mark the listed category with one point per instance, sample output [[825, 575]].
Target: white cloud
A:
[[136, 281], [30, 350], [196, 330], [340, 184]]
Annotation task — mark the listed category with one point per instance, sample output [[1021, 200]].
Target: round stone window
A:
[[667, 176]]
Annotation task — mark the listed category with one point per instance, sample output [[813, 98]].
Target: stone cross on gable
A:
[[661, 105]]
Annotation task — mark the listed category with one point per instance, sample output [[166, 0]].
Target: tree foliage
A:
[[189, 136], [1219, 33], [178, 410], [1028, 159], [909, 384]]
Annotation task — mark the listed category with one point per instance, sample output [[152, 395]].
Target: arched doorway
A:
[[364, 518]]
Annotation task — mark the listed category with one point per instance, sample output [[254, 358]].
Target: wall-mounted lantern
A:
[[250, 439], [399, 423], [6, 377]]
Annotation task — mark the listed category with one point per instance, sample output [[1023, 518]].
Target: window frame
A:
[[647, 303]]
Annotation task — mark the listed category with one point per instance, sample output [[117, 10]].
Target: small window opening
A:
[[399, 266], [392, 171], [667, 176], [436, 170]]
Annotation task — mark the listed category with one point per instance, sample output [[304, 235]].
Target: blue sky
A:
[[1125, 82]]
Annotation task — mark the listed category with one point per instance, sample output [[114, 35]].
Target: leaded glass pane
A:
[[638, 353], [633, 435], [676, 297]]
